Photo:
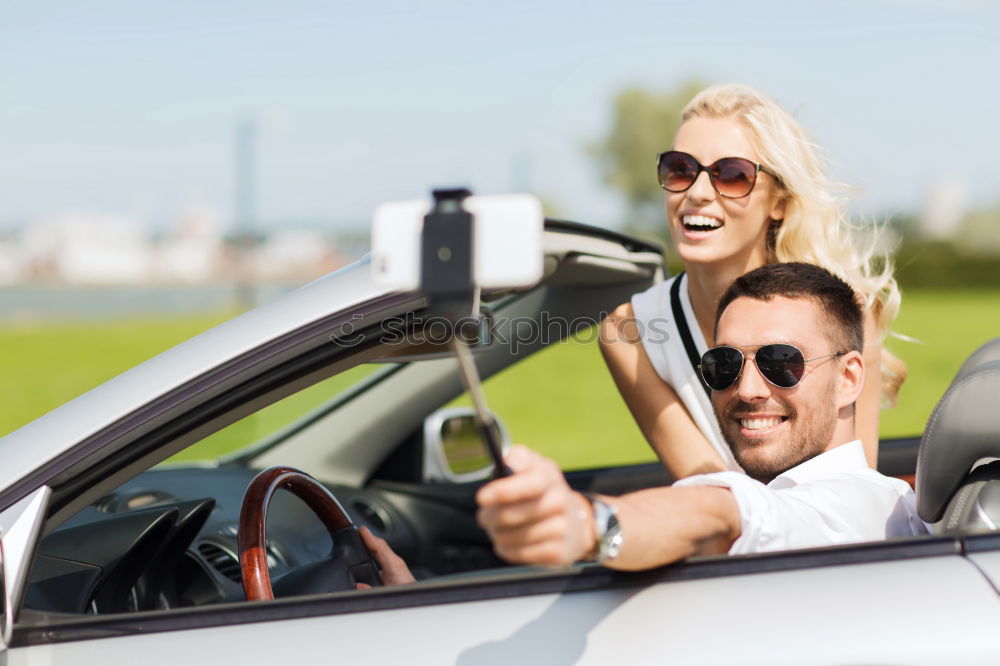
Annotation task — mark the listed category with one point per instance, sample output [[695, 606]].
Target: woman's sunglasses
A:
[[732, 177], [780, 364]]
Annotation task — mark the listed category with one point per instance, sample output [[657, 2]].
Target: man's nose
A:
[[752, 387]]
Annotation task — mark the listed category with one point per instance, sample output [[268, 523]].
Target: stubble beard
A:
[[807, 438]]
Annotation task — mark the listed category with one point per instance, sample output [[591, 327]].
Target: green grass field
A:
[[947, 325], [47, 363], [571, 412]]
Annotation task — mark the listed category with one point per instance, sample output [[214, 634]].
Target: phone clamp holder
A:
[[447, 249]]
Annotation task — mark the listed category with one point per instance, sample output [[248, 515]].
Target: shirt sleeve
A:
[[806, 516]]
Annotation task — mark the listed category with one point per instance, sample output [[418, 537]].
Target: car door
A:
[[850, 605]]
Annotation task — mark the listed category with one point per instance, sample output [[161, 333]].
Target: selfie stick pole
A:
[[447, 263], [484, 418]]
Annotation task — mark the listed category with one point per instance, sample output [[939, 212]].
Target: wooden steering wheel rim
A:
[[252, 544]]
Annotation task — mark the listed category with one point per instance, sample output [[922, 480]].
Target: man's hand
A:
[[532, 516], [394, 569]]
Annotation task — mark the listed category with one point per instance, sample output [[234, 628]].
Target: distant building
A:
[[195, 252], [83, 249], [293, 256], [13, 267], [90, 250]]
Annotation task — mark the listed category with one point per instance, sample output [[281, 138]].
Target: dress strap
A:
[[684, 331]]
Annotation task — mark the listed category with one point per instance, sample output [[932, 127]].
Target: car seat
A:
[[989, 351], [957, 484]]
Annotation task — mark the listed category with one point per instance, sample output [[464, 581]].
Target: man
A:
[[785, 375]]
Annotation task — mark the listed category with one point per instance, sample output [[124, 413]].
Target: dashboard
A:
[[168, 538]]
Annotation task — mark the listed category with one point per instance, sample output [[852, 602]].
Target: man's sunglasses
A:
[[732, 177], [780, 364]]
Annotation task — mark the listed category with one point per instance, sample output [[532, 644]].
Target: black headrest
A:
[[963, 429], [990, 351]]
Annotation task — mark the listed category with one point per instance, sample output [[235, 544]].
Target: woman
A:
[[773, 202]]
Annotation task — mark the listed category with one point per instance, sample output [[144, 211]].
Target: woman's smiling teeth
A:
[[700, 222], [761, 423]]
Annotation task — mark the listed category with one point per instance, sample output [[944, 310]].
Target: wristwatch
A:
[[606, 528]]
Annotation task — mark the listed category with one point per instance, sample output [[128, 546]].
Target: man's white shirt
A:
[[834, 498]]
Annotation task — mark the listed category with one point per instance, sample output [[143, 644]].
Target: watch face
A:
[[611, 539], [612, 547], [607, 529]]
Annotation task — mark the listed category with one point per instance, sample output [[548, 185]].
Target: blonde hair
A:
[[815, 228]]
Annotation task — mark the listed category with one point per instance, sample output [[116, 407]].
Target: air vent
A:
[[223, 561], [368, 514], [131, 500]]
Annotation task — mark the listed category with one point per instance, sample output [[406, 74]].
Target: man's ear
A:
[[852, 379]]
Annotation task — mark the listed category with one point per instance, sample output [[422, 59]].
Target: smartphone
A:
[[507, 248]]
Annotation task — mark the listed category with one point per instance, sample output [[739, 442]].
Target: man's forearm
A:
[[663, 525], [534, 517]]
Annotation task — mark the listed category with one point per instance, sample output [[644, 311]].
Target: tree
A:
[[644, 123]]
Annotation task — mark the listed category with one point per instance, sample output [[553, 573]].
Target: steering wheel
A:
[[350, 563]]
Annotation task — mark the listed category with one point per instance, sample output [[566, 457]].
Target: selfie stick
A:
[[447, 247], [484, 418]]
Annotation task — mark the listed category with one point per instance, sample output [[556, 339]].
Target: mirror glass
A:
[[464, 450]]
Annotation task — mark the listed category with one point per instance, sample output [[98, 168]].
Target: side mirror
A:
[[20, 525], [453, 448]]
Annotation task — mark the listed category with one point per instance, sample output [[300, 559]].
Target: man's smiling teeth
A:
[[760, 424], [701, 222]]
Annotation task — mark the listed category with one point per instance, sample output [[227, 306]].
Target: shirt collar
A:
[[844, 458]]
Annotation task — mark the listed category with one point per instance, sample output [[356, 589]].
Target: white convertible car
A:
[[110, 557]]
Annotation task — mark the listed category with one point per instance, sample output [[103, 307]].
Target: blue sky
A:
[[129, 108]]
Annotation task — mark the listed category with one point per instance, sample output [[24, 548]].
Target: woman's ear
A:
[[852, 379], [778, 208]]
